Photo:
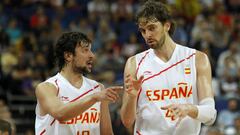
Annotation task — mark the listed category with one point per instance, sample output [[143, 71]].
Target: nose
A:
[[148, 34], [92, 54]]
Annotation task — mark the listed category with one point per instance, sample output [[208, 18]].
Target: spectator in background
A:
[[227, 70], [14, 32], [6, 121], [121, 10], [39, 20], [4, 39], [237, 125], [180, 34], [232, 54], [213, 131], [131, 47], [5, 128], [233, 6], [98, 8], [188, 9], [227, 117], [228, 84], [104, 34]]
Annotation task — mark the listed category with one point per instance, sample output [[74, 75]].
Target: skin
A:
[[75, 65], [156, 36]]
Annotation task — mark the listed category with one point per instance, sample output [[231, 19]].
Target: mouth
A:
[[150, 41], [89, 63]]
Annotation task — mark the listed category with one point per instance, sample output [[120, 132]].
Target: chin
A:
[[89, 70], [152, 46]]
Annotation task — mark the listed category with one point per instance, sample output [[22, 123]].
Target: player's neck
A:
[[73, 78], [166, 50]]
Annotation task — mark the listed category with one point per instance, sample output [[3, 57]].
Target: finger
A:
[[139, 81], [116, 88], [128, 85], [111, 97], [112, 92], [127, 80], [176, 114], [128, 75], [141, 78], [167, 107], [129, 90]]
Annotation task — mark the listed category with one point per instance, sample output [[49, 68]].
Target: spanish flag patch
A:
[[187, 70]]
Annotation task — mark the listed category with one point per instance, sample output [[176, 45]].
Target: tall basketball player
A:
[[69, 103], [167, 87]]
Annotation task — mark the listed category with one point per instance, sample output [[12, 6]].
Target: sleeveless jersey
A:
[[165, 83], [87, 123]]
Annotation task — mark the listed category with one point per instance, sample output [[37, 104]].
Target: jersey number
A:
[[84, 132]]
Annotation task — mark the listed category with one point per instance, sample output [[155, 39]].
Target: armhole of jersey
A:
[[194, 63], [136, 66], [57, 86], [138, 63]]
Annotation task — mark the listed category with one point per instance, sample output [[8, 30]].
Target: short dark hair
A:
[[155, 10], [67, 43], [5, 126]]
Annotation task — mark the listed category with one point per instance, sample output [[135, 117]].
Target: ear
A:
[[167, 26], [68, 56]]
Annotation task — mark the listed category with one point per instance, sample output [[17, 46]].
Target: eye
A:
[[141, 30], [151, 28]]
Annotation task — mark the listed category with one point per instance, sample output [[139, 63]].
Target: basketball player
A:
[[69, 103], [167, 87]]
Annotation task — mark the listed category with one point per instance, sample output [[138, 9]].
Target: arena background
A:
[[29, 29]]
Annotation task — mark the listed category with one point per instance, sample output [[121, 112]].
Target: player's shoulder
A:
[[49, 82], [201, 55], [202, 60], [45, 85]]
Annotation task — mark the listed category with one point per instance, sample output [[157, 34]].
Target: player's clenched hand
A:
[[132, 86], [109, 94], [178, 111]]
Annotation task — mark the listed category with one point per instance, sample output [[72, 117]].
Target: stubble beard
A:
[[159, 44], [80, 69]]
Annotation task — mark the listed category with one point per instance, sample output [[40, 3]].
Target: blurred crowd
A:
[[29, 30]]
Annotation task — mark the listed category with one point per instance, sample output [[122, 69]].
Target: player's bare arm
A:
[[205, 94], [50, 104], [131, 89]]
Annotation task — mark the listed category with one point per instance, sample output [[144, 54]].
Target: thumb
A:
[[139, 81], [141, 78]]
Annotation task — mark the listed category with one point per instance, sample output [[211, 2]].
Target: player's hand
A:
[[109, 94], [178, 111], [132, 86]]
